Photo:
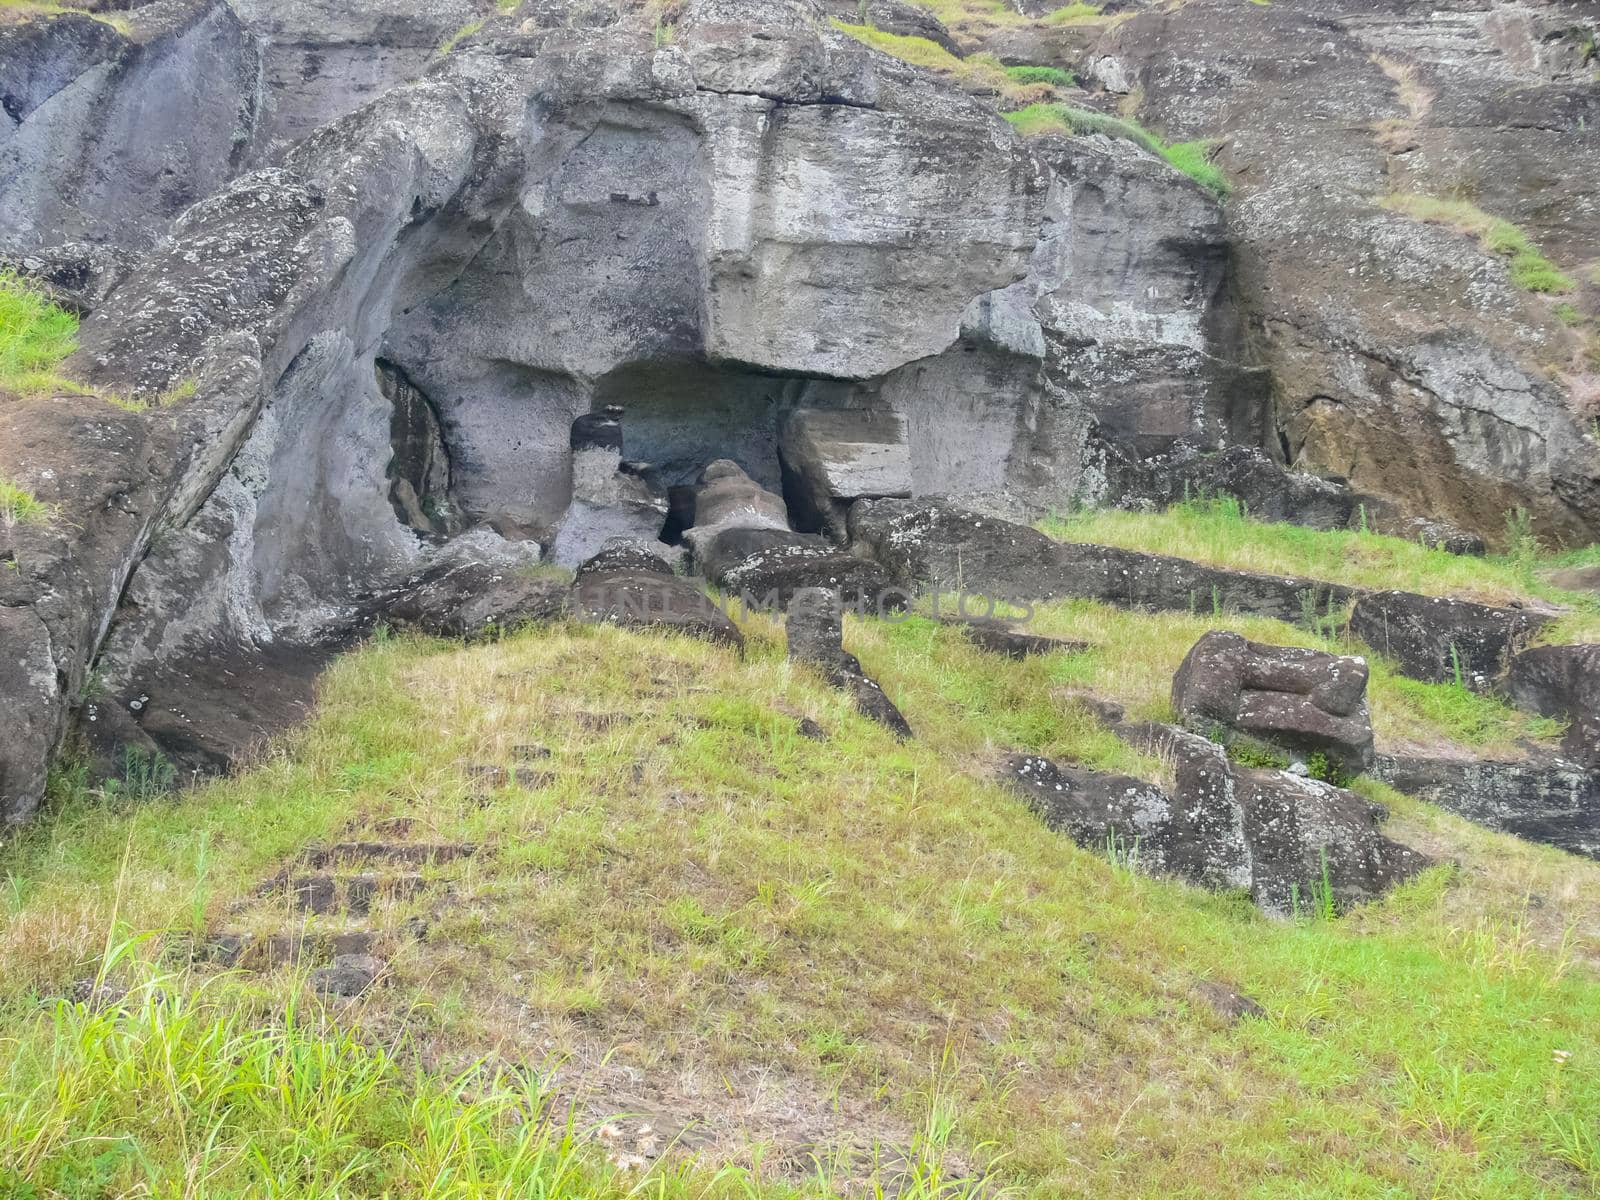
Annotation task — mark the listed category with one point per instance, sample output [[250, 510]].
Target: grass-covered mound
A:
[[694, 908]]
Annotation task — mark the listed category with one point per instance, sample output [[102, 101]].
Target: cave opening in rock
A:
[[681, 414], [518, 457]]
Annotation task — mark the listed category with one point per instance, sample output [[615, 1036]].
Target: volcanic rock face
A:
[[834, 457], [108, 135], [473, 231], [1402, 356]]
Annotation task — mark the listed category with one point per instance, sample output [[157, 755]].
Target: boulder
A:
[[1287, 840], [208, 710], [766, 568], [1440, 640], [1268, 490], [1305, 701], [631, 587], [348, 977], [939, 544], [1101, 811], [1228, 1003], [625, 555], [1562, 681], [926, 543], [611, 497], [475, 599], [1311, 843], [1432, 533], [1004, 638], [1541, 797], [75, 275], [834, 456], [815, 630]]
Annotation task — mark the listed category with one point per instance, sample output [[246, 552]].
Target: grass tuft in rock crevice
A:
[[1530, 270], [35, 336], [1191, 158]]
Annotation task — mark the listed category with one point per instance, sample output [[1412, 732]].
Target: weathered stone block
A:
[[1562, 681], [1437, 639], [833, 456]]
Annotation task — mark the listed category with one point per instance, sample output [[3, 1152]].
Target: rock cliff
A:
[[1404, 354]]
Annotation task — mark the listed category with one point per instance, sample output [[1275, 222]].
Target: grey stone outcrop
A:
[[1289, 841]]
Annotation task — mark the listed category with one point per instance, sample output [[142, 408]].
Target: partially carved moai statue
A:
[[611, 496]]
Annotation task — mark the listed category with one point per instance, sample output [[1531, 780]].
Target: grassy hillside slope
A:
[[768, 947]]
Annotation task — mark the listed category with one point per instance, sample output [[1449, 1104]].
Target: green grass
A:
[[1073, 14], [1468, 719], [1586, 556], [1530, 270], [919, 52], [1063, 118], [19, 506], [459, 36], [1191, 158], [974, 16], [193, 1087], [35, 336], [698, 899], [1220, 532], [1054, 76], [976, 72]]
